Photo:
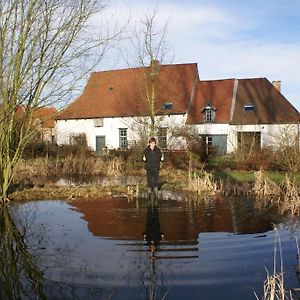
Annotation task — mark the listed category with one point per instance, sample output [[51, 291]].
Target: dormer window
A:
[[209, 113]]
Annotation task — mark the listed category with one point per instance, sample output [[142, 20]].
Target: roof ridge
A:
[[209, 80], [141, 67], [233, 78]]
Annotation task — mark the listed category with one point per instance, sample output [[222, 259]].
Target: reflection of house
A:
[[43, 120], [120, 220], [228, 113]]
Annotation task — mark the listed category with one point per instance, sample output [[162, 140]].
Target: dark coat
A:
[[153, 158]]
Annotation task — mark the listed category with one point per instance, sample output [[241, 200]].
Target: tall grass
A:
[[274, 283], [202, 182], [286, 197], [263, 186], [81, 165], [114, 167], [72, 164]]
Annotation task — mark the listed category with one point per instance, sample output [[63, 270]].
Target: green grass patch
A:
[[248, 176]]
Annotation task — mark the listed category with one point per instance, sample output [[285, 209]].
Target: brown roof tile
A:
[[45, 115], [123, 92], [270, 106], [217, 93]]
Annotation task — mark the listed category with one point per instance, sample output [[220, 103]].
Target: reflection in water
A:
[[153, 236], [109, 248], [171, 232], [20, 278]]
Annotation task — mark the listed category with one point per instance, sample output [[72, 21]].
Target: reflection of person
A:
[[152, 157], [152, 234]]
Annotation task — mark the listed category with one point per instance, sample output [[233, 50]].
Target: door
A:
[[215, 144], [100, 143]]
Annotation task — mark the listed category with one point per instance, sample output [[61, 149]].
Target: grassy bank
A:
[[54, 192], [176, 176], [249, 176]]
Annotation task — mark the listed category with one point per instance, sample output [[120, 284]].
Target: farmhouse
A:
[[43, 121], [113, 110]]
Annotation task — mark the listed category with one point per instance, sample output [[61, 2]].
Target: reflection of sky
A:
[[228, 264], [73, 253]]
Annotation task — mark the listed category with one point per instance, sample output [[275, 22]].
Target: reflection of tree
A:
[[19, 276]]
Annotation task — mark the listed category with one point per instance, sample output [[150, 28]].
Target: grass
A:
[[248, 176], [68, 192]]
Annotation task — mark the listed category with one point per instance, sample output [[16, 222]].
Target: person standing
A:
[[152, 156]]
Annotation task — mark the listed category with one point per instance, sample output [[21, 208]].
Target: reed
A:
[[202, 182], [286, 198], [263, 186], [80, 165], [291, 198], [274, 283], [114, 167]]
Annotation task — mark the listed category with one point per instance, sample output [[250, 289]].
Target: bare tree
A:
[[150, 46], [286, 144], [45, 49]]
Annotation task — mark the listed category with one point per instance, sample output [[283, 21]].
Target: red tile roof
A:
[[270, 106], [123, 92], [230, 96], [46, 115], [217, 93]]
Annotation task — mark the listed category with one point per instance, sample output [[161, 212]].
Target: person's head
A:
[[152, 142]]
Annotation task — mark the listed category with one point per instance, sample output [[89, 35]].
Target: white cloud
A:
[[226, 43]]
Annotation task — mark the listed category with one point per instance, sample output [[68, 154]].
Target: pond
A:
[[109, 248]]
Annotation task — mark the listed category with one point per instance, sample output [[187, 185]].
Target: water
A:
[[109, 248]]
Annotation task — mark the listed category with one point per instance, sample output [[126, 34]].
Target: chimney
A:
[[277, 85]]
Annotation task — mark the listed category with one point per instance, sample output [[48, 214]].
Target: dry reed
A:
[[263, 186], [274, 284], [291, 198], [114, 167], [202, 183], [285, 198], [83, 165]]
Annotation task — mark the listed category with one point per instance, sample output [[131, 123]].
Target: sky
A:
[[227, 38]]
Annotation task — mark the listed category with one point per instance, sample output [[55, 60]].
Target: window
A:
[[207, 143], [162, 137], [249, 107], [248, 141], [215, 144], [209, 113], [123, 143], [78, 139], [98, 122]]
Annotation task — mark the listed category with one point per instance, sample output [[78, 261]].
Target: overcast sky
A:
[[230, 38]]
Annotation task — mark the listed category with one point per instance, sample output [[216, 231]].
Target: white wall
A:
[[110, 129], [271, 134]]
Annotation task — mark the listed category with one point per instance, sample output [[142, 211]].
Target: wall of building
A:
[[271, 134], [65, 129]]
